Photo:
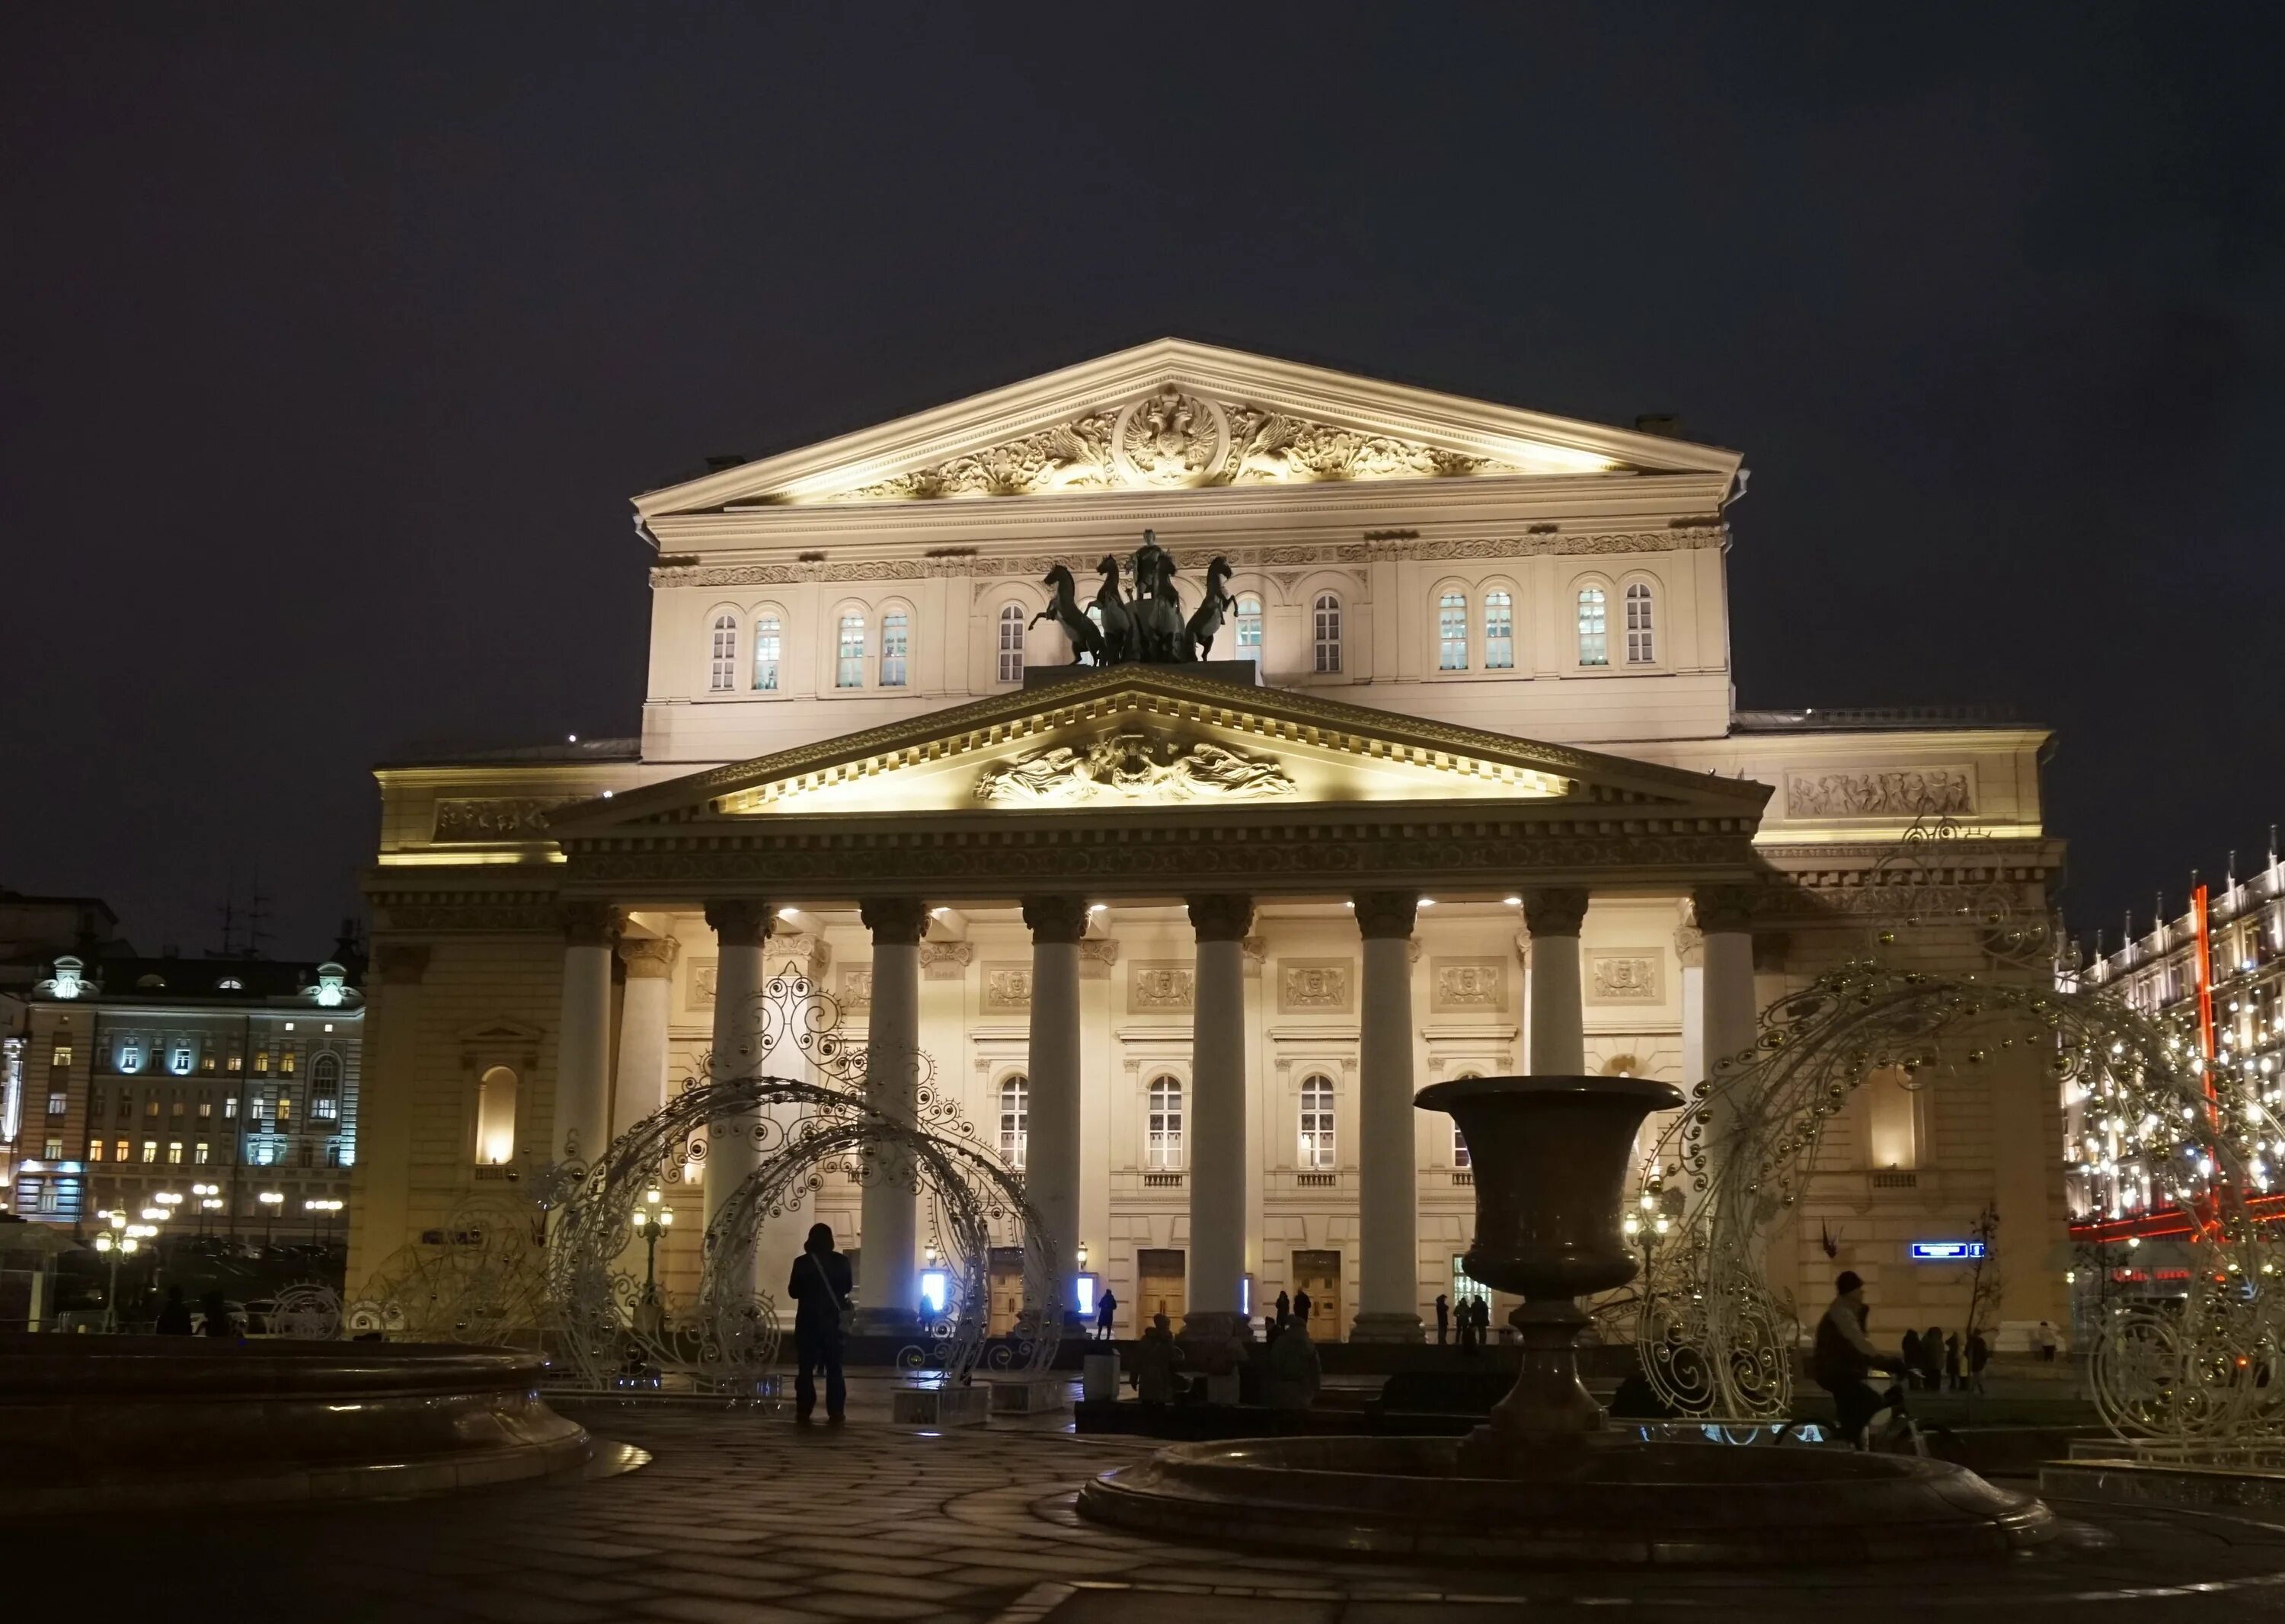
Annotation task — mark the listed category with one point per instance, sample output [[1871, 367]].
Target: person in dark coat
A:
[[1106, 1315], [1302, 1309], [1932, 1357], [1952, 1362], [217, 1316], [1979, 1355], [1912, 1346], [174, 1318], [1284, 1311], [820, 1289], [1443, 1318]]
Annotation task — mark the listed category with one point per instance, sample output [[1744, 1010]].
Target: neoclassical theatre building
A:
[[1461, 788]]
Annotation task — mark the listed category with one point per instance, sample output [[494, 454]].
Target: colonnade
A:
[[1387, 1206]]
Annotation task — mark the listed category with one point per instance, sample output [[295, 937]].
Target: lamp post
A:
[[652, 1218], [271, 1200], [328, 1206], [204, 1195], [118, 1239]]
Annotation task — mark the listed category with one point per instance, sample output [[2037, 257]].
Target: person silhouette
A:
[[820, 1289]]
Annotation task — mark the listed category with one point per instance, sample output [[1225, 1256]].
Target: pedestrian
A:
[[1106, 1312], [1952, 1362], [1911, 1348], [2049, 1340], [1932, 1357], [1153, 1361], [219, 1322], [1294, 1374], [1979, 1355], [174, 1318], [1284, 1311], [1443, 1318], [1842, 1358], [1302, 1310], [819, 1288]]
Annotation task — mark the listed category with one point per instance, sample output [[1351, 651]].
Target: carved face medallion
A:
[[1170, 438]]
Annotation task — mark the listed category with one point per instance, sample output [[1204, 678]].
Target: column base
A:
[[885, 1322], [1386, 1328]]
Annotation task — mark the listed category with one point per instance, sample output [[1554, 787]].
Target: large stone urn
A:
[[1549, 1156]]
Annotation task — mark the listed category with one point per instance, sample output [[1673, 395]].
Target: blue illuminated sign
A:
[[1946, 1252], [936, 1289], [1085, 1285]]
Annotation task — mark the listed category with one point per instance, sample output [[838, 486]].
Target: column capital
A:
[[648, 957], [1554, 910], [737, 922], [589, 924], [1055, 919], [1690, 948], [1723, 908], [1384, 913], [945, 961], [1222, 917], [895, 921]]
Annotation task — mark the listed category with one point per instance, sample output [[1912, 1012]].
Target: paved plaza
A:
[[744, 1518]]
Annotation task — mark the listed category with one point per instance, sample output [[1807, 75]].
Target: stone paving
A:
[[744, 1518]]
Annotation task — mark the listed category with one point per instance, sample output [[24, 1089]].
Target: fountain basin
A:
[[1621, 1502]]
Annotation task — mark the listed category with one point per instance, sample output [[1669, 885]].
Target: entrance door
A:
[[1319, 1274], [1005, 1290], [1161, 1286]]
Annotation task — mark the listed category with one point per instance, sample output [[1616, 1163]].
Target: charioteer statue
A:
[[1146, 626]]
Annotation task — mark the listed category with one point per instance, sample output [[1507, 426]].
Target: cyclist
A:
[[1843, 1358]]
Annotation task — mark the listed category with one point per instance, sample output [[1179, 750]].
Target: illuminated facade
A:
[[1184, 939]]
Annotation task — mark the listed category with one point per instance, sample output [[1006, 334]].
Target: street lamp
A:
[[652, 1218], [204, 1194], [119, 1239], [328, 1206], [271, 1200]]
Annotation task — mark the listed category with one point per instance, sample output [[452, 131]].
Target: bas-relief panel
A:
[[1469, 986], [698, 986], [1625, 976], [1316, 986], [856, 993], [1909, 793], [1006, 989], [459, 818], [1160, 985]]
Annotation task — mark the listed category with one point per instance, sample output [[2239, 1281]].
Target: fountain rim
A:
[[1646, 1091]]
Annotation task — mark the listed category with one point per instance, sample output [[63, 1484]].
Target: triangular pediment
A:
[[1157, 738], [1172, 415]]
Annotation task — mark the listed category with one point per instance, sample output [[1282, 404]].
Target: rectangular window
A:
[[261, 1062], [182, 1066], [174, 1153], [205, 1108], [95, 1149], [1460, 1149], [230, 1108], [895, 643], [1594, 627], [151, 1109], [326, 1108], [285, 1060], [1452, 632], [1641, 648], [199, 1153], [58, 1104], [767, 642], [60, 1056], [849, 670], [51, 1198], [1012, 627], [119, 1151], [722, 675], [54, 1149], [126, 1105], [149, 1149], [1499, 632], [176, 1110], [236, 1063], [285, 1109], [1328, 634]]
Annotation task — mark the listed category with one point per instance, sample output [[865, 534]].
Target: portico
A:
[[1144, 792]]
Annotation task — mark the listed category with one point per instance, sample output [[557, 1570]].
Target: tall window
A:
[[1452, 632], [724, 673], [1327, 616], [326, 1087], [496, 1117], [1316, 1124], [1015, 1119], [1249, 629], [1162, 1152], [850, 668], [1011, 643], [1594, 627], [1499, 632], [896, 643], [769, 644], [1641, 650]]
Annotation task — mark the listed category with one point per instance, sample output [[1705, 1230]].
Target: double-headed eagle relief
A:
[[1146, 626]]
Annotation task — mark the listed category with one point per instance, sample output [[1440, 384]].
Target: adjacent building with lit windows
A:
[[1464, 790], [147, 1075]]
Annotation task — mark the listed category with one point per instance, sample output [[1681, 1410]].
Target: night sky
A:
[[337, 337]]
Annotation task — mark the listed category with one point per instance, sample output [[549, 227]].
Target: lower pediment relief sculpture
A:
[[1943, 792], [1133, 767]]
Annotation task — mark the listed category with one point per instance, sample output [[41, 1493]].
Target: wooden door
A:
[[1319, 1274], [1005, 1288], [1161, 1286]]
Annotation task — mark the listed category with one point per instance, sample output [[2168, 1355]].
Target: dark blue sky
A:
[[336, 338]]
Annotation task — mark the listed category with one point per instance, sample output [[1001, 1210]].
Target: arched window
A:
[[1594, 627], [1316, 1123], [1641, 648], [1327, 616], [1452, 632], [896, 644], [724, 676], [1249, 629], [325, 1088], [769, 644], [1015, 1119], [848, 668], [1162, 1149], [1499, 632], [1011, 643], [496, 1117]]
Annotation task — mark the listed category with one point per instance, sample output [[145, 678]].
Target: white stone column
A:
[[643, 1008], [889, 1295], [1215, 1132], [1558, 1016], [583, 1043], [741, 931], [1388, 1223], [1730, 1015], [1051, 1173]]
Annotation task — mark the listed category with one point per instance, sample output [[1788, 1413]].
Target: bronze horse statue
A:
[[1158, 608], [1117, 634], [1206, 620], [1063, 609]]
